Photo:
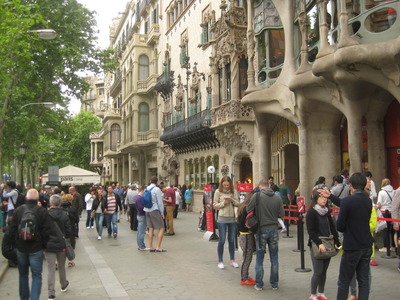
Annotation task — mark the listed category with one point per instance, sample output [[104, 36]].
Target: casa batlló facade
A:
[[293, 89]]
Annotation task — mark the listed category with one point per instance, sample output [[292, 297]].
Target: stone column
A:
[[129, 168], [325, 48], [96, 154], [345, 38], [215, 86], [354, 129], [376, 149], [251, 47], [234, 78]]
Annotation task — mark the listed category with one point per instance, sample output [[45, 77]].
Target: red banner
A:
[[243, 189], [210, 220], [300, 204]]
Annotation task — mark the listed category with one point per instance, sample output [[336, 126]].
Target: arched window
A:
[[115, 136], [144, 118], [143, 67]]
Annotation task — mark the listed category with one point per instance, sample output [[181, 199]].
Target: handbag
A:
[[380, 225], [69, 251], [92, 214], [329, 244]]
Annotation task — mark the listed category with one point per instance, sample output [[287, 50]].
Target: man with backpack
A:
[[30, 227], [13, 198], [154, 214], [269, 209]]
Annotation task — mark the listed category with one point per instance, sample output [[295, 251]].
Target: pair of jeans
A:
[[89, 220], [222, 229], [52, 259], [141, 232], [354, 262], [112, 222], [99, 223], [35, 261], [270, 237]]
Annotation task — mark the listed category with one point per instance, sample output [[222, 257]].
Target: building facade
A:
[[293, 89]]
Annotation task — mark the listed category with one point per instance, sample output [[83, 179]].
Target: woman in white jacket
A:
[[384, 203]]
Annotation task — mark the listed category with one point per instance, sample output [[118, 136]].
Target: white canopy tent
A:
[[74, 175]]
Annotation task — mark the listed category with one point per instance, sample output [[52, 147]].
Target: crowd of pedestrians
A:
[[57, 215]]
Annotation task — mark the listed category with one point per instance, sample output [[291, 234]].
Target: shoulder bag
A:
[[329, 244], [69, 251]]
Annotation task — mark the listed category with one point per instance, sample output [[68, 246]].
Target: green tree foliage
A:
[[71, 142], [34, 70]]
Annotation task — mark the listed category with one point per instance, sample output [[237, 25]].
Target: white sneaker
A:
[[88, 227], [99, 237], [92, 227], [221, 266], [284, 230], [234, 264]]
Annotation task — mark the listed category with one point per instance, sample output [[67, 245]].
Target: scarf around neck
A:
[[321, 210]]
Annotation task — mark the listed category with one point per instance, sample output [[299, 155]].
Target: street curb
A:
[[3, 269]]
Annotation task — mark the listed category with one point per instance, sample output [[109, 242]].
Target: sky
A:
[[106, 10]]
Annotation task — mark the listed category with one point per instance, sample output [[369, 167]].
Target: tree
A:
[[71, 141], [34, 70]]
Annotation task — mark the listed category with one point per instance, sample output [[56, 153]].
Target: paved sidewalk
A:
[[115, 269]]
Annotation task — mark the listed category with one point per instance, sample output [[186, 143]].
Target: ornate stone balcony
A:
[[231, 112], [144, 86], [154, 34]]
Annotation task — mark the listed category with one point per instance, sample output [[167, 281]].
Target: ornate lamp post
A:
[[33, 163], [22, 152]]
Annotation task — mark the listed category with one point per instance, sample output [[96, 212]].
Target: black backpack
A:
[[27, 230], [20, 200]]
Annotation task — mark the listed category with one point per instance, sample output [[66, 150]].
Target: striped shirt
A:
[[111, 204]]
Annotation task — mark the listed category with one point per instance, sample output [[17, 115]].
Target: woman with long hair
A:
[[66, 204], [246, 240], [99, 209], [319, 223], [225, 199], [141, 218]]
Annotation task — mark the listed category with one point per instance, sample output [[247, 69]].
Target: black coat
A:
[[43, 224], [73, 216], [313, 226], [56, 241]]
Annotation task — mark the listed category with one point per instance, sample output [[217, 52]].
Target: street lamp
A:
[[22, 152], [45, 34], [33, 163], [45, 104]]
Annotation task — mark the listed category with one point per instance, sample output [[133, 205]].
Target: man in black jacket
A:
[[30, 252], [353, 221], [55, 251]]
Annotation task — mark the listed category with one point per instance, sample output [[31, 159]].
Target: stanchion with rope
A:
[[300, 227], [288, 223], [389, 237], [300, 236]]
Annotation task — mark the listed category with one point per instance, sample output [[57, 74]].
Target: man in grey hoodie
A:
[[270, 208]]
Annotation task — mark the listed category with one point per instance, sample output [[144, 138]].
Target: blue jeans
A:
[[99, 223], [89, 221], [141, 231], [35, 261], [354, 262], [270, 237], [222, 228], [111, 219]]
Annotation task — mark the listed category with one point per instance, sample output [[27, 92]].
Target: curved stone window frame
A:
[[144, 67], [115, 136], [144, 117]]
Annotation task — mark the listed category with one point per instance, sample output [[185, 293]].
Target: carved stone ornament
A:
[[231, 137], [231, 111], [230, 33], [225, 170], [167, 156]]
